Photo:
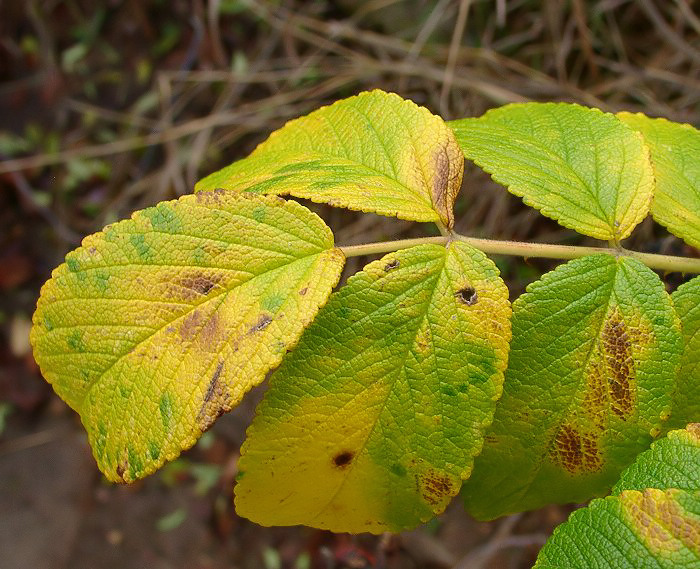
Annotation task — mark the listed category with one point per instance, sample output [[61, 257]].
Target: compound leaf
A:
[[159, 323], [373, 152], [593, 362], [675, 156], [649, 522], [580, 166], [373, 421], [686, 404]]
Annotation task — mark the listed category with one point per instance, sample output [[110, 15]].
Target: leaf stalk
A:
[[666, 263]]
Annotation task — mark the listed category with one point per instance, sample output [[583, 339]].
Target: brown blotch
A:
[[343, 459], [467, 295], [122, 467], [575, 452], [617, 352], [436, 486], [442, 200], [262, 323], [189, 325], [216, 400], [391, 265], [303, 291], [192, 285], [209, 331]]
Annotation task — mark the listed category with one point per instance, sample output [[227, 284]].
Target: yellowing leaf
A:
[[652, 519], [373, 421], [374, 152], [593, 362], [582, 167], [675, 155], [160, 323]]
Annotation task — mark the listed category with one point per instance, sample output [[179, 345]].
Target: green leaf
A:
[[580, 166], [373, 421], [671, 462], [686, 403], [675, 156], [595, 351], [160, 323], [653, 524], [374, 152]]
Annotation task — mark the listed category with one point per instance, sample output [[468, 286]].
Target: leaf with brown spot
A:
[[372, 423], [651, 520], [151, 348], [595, 351], [374, 152]]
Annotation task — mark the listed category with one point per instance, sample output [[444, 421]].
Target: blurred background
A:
[[107, 106]]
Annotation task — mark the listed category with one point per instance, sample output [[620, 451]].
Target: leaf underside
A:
[[373, 421], [373, 152], [158, 324], [595, 351], [579, 166], [675, 155], [652, 520]]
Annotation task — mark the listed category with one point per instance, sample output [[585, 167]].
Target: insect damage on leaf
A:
[[467, 295]]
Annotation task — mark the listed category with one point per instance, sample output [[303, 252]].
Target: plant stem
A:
[[667, 263]]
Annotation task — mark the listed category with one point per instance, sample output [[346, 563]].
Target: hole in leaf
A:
[[394, 264], [467, 295]]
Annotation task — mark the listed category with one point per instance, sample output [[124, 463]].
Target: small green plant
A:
[[416, 375]]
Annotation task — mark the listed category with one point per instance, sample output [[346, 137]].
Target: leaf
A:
[[686, 404], [671, 462], [373, 421], [675, 149], [160, 323], [654, 526], [580, 166], [595, 351], [374, 152]]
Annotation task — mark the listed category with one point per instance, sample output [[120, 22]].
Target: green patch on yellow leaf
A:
[[154, 327]]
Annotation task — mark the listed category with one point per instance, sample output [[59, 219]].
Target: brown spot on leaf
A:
[[194, 285], [216, 401], [436, 487], [440, 190], [191, 285], [575, 452], [391, 265], [343, 459], [190, 325], [262, 323], [303, 291], [209, 331], [467, 295], [122, 467], [660, 521], [617, 352]]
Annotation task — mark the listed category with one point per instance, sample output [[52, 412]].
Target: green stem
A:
[[667, 263]]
